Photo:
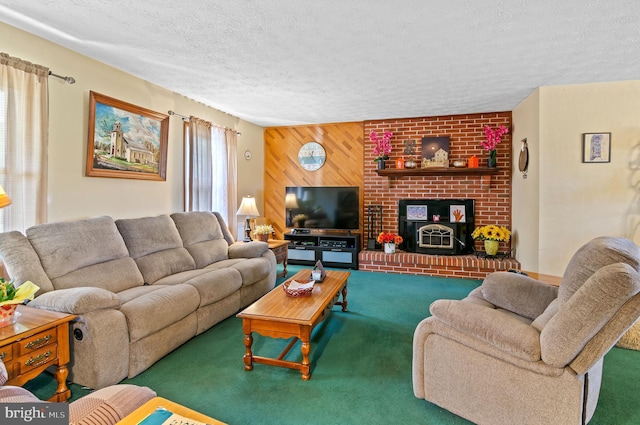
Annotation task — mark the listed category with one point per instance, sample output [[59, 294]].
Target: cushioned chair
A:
[[518, 351], [105, 406]]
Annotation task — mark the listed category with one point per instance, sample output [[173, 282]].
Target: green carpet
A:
[[361, 366]]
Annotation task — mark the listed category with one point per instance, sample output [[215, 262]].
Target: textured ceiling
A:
[[283, 62]]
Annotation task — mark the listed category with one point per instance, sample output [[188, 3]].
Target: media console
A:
[[333, 249]]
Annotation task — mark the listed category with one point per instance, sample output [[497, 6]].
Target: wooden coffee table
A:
[[277, 315]]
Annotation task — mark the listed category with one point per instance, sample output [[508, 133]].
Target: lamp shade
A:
[[4, 198], [248, 207], [291, 201]]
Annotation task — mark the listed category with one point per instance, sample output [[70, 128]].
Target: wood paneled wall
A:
[[343, 144]]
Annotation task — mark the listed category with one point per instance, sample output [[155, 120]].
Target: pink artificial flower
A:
[[493, 137], [382, 145]]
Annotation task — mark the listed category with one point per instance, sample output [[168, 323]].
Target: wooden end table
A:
[[150, 406], [277, 315], [280, 249], [38, 339]]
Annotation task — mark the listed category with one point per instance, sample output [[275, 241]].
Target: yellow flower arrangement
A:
[[263, 229], [492, 233]]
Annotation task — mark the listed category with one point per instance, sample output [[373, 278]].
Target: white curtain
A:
[[232, 181], [24, 122], [210, 170], [197, 168], [220, 177]]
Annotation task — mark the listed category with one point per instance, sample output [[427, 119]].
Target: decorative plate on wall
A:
[[523, 160], [311, 156]]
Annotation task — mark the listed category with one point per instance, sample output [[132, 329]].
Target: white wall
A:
[[525, 192], [579, 201], [71, 194]]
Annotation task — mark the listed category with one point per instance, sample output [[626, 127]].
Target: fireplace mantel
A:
[[437, 171]]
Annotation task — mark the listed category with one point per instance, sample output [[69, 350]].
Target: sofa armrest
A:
[[495, 327], [248, 249], [108, 405], [518, 293], [77, 300]]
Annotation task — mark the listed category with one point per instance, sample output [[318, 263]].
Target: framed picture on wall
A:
[[457, 214], [126, 141], [416, 212], [596, 147]]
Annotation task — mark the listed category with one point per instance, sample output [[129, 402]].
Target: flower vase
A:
[[380, 164], [491, 247], [263, 238], [389, 248], [492, 162], [8, 314]]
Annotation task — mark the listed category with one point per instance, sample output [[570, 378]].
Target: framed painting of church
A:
[[126, 141]]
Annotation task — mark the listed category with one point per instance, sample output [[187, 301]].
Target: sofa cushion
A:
[[21, 261], [225, 229], [153, 311], [201, 236], [248, 249], [253, 270], [84, 252], [212, 284], [79, 300], [155, 245]]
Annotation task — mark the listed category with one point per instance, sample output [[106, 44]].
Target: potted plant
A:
[[262, 232], [11, 297], [390, 241], [381, 147], [492, 235], [494, 137]]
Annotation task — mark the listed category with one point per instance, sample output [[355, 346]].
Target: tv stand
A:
[[333, 249]]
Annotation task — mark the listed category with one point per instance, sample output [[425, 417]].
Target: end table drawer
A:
[[37, 358], [6, 353], [28, 345]]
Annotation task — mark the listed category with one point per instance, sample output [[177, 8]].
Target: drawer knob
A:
[[40, 342], [3, 355]]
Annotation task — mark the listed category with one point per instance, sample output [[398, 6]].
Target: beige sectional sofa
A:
[[141, 287]]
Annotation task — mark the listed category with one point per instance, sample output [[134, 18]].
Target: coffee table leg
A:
[[248, 356], [344, 298], [305, 338]]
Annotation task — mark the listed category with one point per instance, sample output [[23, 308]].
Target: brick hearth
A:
[[461, 266]]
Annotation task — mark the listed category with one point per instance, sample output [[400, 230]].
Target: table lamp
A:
[[248, 209], [290, 202], [4, 198]]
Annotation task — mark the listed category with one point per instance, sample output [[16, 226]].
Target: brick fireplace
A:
[[491, 193]]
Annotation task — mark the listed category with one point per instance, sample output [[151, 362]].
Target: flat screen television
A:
[[323, 207]]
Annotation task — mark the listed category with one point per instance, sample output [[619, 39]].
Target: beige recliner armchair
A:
[[518, 351]]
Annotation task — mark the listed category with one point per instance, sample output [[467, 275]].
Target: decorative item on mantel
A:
[[381, 147], [492, 235], [493, 139], [410, 151], [390, 241]]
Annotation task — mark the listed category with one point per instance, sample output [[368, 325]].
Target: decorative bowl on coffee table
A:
[[297, 289]]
